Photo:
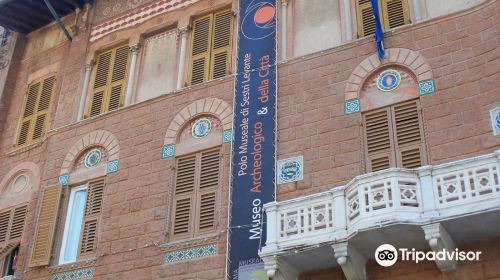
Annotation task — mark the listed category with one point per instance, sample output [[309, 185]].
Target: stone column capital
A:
[[134, 49], [184, 29]]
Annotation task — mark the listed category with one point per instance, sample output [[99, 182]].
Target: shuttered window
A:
[[393, 13], [108, 89], [211, 47], [44, 234], [93, 209], [393, 137], [196, 183], [12, 224], [35, 111]]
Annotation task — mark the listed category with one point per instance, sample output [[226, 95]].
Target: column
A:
[[429, 205], [85, 89], [347, 20], [134, 50], [339, 212], [182, 59], [283, 29]]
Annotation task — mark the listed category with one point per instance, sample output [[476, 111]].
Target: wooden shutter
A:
[[35, 113], [221, 44], [366, 22], [110, 81], [4, 225], [184, 191], [196, 184], [93, 209], [17, 225], [378, 140], [408, 134], [44, 234], [395, 13], [200, 49], [209, 180], [211, 47]]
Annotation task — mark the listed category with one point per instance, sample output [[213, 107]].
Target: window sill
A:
[[189, 243], [72, 266], [22, 149], [10, 277]]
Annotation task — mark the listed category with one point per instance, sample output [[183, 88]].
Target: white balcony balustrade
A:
[[405, 197]]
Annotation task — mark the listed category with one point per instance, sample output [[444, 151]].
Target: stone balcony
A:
[[431, 207]]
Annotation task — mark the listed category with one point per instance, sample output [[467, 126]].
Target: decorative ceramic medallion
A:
[[388, 80], [495, 121], [290, 170], [93, 158], [201, 128]]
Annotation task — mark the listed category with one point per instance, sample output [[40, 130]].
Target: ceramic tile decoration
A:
[[290, 170], [93, 158], [201, 128], [86, 273], [112, 166], [64, 179], [227, 136], [495, 121], [352, 106], [426, 87], [388, 80], [168, 151], [191, 253]]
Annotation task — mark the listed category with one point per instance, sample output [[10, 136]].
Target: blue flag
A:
[[379, 33]]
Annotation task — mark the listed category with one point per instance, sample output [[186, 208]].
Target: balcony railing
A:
[[392, 196]]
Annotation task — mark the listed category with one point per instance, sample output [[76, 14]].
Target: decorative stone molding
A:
[[9, 196], [101, 138], [72, 266], [410, 59], [217, 107], [187, 244], [352, 262], [137, 16], [439, 240]]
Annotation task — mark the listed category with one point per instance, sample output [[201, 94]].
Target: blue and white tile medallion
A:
[[352, 106], [64, 179], [426, 87], [495, 121], [227, 136], [290, 170], [191, 253], [112, 166], [388, 80], [86, 273], [93, 158], [201, 128], [168, 151]]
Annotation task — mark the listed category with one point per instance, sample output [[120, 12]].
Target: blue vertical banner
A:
[[379, 33], [253, 154]]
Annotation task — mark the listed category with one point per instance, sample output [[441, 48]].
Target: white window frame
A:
[[66, 224]]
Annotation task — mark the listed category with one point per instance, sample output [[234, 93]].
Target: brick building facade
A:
[[112, 127]]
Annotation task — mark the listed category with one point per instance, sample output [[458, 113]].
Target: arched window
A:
[[392, 121], [197, 172]]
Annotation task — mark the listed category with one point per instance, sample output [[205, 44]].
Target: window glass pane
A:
[[74, 220]]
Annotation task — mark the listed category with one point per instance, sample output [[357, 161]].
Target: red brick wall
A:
[[462, 50]]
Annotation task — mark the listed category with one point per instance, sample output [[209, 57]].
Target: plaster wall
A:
[[437, 8], [316, 26], [158, 66]]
